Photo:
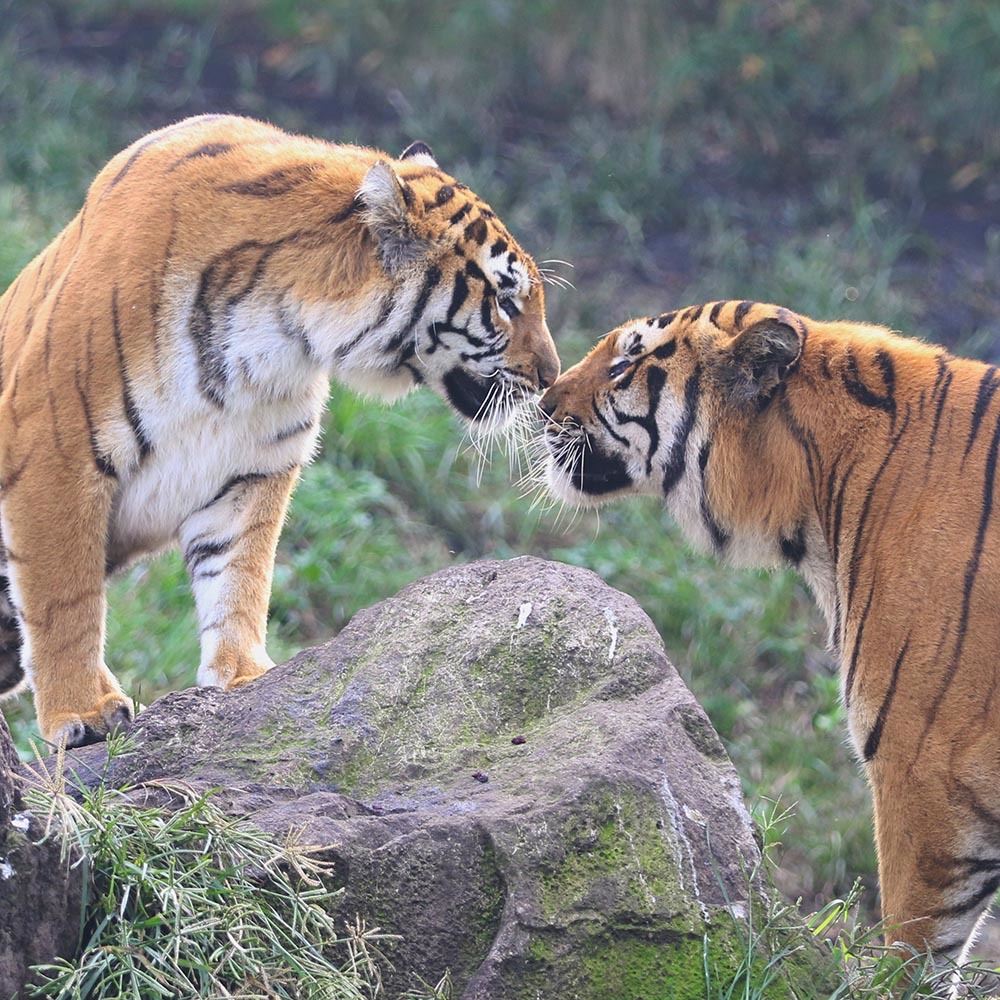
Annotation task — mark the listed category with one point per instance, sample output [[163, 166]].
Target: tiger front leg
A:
[[54, 515], [939, 862], [229, 546]]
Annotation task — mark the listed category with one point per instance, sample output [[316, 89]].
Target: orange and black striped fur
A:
[[164, 366], [868, 462]]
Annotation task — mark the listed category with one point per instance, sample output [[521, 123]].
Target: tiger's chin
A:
[[491, 403], [602, 479]]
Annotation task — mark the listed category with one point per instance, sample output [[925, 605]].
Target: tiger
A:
[[867, 461], [165, 364]]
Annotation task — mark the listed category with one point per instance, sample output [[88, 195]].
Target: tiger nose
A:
[[547, 371], [542, 371], [548, 404]]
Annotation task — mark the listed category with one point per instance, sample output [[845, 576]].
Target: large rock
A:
[[508, 773], [40, 893]]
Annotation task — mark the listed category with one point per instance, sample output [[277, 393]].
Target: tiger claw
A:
[[112, 716]]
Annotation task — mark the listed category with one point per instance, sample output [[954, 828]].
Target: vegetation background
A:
[[838, 158]]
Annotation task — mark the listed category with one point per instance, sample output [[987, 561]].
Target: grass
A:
[[838, 159], [182, 900], [864, 967]]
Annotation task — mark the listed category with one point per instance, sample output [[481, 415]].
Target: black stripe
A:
[[156, 294], [674, 467], [352, 209], [987, 387], [294, 431], [971, 572], [713, 316], [604, 423], [275, 183], [458, 297], [828, 510], [218, 278], [201, 551], [875, 736], [442, 196], [807, 441], [206, 574], [128, 402], [838, 513], [419, 173], [856, 651], [741, 311], [666, 319], [208, 150], [490, 352], [945, 386], [976, 900], [232, 484], [234, 267], [720, 538], [692, 314], [291, 328], [151, 140], [385, 310], [460, 214], [859, 531], [201, 327], [862, 393], [656, 378], [431, 280], [32, 299], [476, 232], [101, 461], [986, 816], [666, 350]]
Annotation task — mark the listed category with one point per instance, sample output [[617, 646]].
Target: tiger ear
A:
[[758, 360], [385, 210], [420, 153]]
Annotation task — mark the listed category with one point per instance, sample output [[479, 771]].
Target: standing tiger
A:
[[868, 462], [164, 366]]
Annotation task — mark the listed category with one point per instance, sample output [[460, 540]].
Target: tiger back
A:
[[165, 361], [868, 462]]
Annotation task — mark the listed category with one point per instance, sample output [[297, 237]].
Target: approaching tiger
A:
[[164, 367], [868, 462]]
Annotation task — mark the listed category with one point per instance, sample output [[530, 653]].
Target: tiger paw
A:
[[245, 678], [232, 668], [112, 714]]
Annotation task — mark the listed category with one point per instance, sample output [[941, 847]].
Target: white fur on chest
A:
[[197, 448]]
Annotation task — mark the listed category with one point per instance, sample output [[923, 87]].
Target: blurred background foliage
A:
[[838, 158]]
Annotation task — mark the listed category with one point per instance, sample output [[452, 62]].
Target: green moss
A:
[[620, 862], [630, 967]]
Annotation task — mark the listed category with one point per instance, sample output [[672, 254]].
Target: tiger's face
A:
[[657, 399], [614, 420], [472, 298]]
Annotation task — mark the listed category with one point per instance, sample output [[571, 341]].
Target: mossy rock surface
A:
[[508, 773]]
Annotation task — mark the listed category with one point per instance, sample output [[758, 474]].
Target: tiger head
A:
[[682, 406], [465, 303]]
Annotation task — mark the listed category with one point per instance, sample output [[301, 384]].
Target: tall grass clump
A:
[[182, 900]]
